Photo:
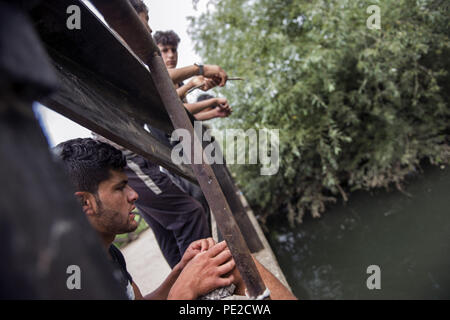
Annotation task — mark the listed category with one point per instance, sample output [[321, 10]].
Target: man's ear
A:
[[87, 201]]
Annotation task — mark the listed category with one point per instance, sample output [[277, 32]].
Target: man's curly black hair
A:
[[167, 38], [88, 162]]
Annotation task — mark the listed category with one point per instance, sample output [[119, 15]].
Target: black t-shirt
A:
[[123, 277]]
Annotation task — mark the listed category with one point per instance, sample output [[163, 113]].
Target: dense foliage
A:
[[357, 108]]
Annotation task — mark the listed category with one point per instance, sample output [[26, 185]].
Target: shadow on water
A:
[[407, 237]]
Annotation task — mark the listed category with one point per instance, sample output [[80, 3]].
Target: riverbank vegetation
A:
[[357, 108]]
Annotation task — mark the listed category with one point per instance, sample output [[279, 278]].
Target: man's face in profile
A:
[[114, 205], [169, 54]]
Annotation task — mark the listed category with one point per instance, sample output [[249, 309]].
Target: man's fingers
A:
[[210, 83], [211, 242], [227, 267], [223, 257], [225, 281], [196, 245], [216, 249], [207, 243], [217, 81], [223, 102], [214, 71], [224, 78], [200, 245]]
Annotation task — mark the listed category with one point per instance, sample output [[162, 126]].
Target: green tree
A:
[[356, 108]]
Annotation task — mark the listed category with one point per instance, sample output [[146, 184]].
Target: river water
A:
[[408, 237]]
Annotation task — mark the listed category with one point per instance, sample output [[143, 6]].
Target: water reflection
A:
[[407, 236]]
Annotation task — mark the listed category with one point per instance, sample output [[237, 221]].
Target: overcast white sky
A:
[[164, 15]]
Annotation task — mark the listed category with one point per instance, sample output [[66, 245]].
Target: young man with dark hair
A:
[[212, 72], [96, 170], [174, 215], [168, 42]]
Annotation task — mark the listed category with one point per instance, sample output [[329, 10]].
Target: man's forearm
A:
[[181, 74], [200, 106], [277, 290], [205, 115], [163, 290], [182, 91]]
